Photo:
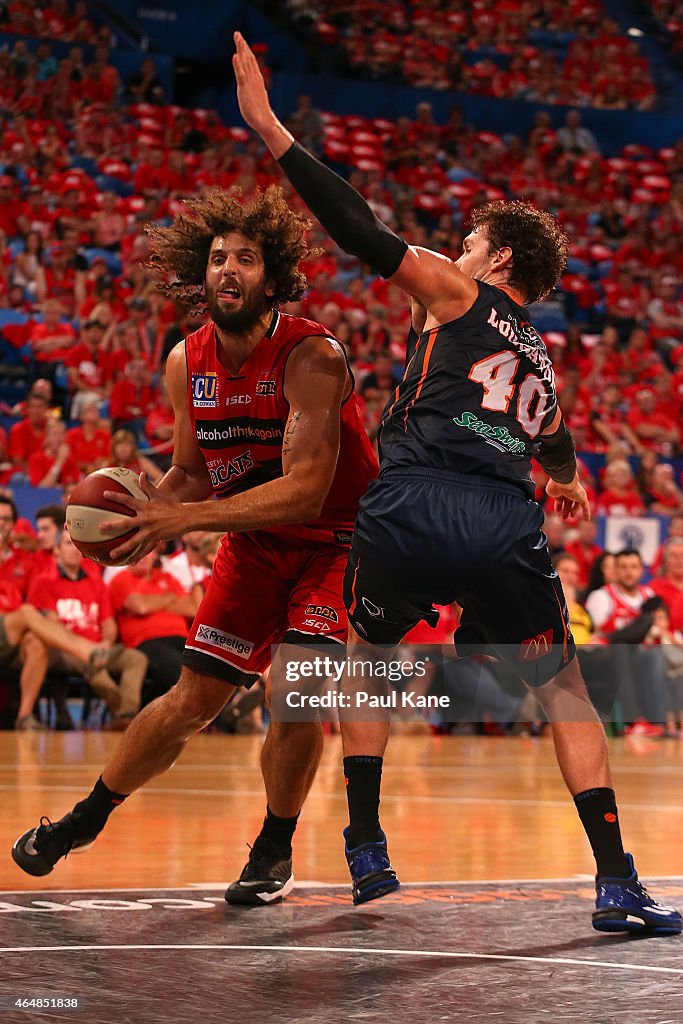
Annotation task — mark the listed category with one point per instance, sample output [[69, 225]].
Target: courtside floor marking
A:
[[481, 767], [194, 887], [346, 950], [460, 800]]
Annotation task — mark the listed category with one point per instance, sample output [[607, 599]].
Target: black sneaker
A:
[[266, 878], [39, 849]]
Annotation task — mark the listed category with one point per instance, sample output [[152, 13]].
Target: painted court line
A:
[[481, 768], [458, 800], [346, 950], [457, 883], [193, 887]]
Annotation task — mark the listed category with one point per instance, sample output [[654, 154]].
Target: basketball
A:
[[88, 509]]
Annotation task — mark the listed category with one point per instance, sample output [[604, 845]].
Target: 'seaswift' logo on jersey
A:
[[205, 390], [499, 437]]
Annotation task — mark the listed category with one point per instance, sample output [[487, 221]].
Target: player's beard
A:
[[243, 319]]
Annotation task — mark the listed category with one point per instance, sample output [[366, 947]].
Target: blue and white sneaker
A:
[[624, 905], [371, 873]]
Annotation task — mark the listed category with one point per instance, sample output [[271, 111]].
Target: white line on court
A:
[[499, 767], [402, 799], [346, 950], [194, 887]]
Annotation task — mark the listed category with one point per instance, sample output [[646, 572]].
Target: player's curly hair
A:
[[183, 248], [539, 245]]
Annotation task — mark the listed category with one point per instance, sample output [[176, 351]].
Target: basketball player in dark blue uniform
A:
[[452, 515]]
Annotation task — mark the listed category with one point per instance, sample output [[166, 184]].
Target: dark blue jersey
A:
[[475, 395]]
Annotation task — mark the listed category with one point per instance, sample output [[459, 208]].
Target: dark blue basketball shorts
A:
[[425, 538]]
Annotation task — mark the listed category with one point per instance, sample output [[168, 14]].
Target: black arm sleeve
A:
[[634, 633], [557, 455], [343, 212]]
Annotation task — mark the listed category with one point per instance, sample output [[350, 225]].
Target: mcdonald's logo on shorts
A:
[[536, 646]]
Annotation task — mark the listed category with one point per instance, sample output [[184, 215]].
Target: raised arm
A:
[[316, 383], [342, 211]]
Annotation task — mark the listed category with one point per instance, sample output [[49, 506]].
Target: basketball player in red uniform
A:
[[266, 422]]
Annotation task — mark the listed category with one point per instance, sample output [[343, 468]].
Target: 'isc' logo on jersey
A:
[[205, 390]]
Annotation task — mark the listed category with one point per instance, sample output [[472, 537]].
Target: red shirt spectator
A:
[[10, 597], [653, 427], [82, 604], [28, 435], [132, 396], [15, 563], [54, 466], [90, 443], [670, 586], [10, 208], [135, 629], [84, 361], [52, 340], [159, 430], [628, 503]]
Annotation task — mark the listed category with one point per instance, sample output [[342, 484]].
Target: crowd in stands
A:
[[551, 52], [90, 160], [134, 619], [56, 20], [669, 14]]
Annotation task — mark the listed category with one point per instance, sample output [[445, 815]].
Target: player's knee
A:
[[32, 647], [568, 681], [195, 700]]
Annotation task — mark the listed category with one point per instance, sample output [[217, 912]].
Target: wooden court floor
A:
[[454, 808]]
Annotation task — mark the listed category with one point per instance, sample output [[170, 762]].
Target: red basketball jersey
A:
[[240, 422], [622, 614]]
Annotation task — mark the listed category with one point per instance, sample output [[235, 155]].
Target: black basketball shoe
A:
[[39, 849], [266, 878]]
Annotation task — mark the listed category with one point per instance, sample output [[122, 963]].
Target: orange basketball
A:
[[88, 509]]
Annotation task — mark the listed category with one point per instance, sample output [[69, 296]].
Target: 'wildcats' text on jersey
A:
[[239, 423], [475, 395]]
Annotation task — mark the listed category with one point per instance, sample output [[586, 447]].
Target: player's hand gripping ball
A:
[[88, 509]]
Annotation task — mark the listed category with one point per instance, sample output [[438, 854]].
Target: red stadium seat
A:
[[637, 152], [368, 164]]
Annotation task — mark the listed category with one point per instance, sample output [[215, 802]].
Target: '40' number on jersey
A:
[[495, 374]]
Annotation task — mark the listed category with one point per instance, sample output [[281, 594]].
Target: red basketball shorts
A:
[[262, 586]]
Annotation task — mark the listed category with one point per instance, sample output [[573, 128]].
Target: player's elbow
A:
[[310, 507]]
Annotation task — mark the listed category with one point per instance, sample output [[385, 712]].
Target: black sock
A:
[[363, 777], [599, 816], [279, 831], [98, 805]]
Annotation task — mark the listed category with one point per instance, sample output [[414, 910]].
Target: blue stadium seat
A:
[[84, 163], [112, 259], [12, 316], [549, 320], [107, 183]]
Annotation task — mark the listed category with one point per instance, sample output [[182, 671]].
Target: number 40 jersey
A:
[[476, 394]]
